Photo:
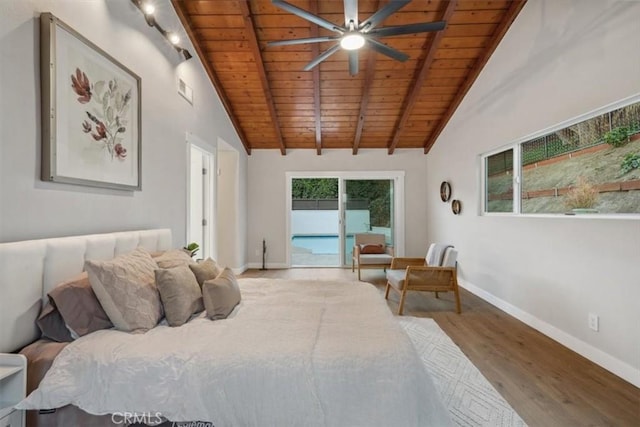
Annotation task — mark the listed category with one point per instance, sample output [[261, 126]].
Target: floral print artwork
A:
[[107, 105]]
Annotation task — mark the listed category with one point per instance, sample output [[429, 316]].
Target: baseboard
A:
[[239, 270], [597, 356], [269, 266]]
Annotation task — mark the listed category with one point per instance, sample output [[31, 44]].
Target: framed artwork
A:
[[456, 207], [445, 191], [90, 112]]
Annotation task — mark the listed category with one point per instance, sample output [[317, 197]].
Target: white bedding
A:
[[293, 353]]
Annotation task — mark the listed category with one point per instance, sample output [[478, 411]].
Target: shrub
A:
[[582, 195], [631, 161], [617, 137]]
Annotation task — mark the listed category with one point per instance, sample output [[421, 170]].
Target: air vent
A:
[[185, 91]]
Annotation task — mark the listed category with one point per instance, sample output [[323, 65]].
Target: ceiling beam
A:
[[364, 101], [181, 11], [255, 50], [414, 89], [510, 15], [315, 51]]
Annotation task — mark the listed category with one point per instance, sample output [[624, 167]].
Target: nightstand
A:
[[13, 388]]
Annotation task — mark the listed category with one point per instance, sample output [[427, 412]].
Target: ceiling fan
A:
[[354, 35]]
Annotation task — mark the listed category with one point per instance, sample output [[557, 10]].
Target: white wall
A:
[[561, 58], [231, 247], [30, 208], [267, 193]]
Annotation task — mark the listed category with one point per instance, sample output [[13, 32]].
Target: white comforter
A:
[[293, 353]]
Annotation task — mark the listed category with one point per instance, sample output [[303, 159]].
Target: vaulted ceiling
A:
[[390, 105]]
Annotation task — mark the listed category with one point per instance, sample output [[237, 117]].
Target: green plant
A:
[[631, 161], [617, 137], [583, 195], [192, 248]]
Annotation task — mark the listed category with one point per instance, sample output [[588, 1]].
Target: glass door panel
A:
[[368, 208], [315, 226]]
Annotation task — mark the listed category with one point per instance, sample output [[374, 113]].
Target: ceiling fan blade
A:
[[351, 13], [353, 62], [302, 41], [308, 16], [399, 30], [324, 55], [386, 50], [382, 14]]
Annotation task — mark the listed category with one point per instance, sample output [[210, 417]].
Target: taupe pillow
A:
[[173, 258], [221, 295], [205, 270], [180, 294], [79, 306], [126, 289]]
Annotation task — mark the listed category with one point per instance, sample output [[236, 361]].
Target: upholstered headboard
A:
[[29, 269]]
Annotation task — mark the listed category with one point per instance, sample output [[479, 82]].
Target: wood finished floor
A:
[[546, 383]]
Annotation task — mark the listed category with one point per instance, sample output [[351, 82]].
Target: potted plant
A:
[[191, 248], [582, 197]]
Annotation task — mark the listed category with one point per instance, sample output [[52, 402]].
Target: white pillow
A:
[[126, 289]]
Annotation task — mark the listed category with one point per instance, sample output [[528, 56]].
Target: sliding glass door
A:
[[326, 210], [368, 208]]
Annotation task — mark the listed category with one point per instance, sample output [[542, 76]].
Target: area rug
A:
[[468, 396]]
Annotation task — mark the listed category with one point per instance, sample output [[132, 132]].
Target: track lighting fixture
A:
[[148, 9]]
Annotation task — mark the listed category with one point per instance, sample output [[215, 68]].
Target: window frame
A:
[[516, 146]]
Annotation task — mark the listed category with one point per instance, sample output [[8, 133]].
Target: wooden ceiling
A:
[[388, 105]]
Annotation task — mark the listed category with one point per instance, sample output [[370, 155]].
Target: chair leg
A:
[[457, 295], [359, 272], [353, 264], [437, 296], [401, 306], [386, 292]]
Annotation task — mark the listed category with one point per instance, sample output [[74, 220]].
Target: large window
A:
[[589, 164]]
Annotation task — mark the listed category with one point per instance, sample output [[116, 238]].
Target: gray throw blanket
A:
[[436, 253]]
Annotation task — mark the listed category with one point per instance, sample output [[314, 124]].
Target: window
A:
[[589, 164]]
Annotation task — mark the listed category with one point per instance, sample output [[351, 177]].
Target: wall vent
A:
[[185, 91]]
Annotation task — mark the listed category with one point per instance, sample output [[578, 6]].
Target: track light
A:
[[148, 9]]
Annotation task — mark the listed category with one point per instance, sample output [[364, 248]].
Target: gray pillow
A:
[[126, 289], [79, 307], [180, 294], [52, 325], [173, 258], [205, 270], [221, 295]]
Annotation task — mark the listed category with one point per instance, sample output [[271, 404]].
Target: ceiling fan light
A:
[[352, 41], [148, 8]]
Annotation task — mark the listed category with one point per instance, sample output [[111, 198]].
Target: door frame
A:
[[209, 248], [398, 204]]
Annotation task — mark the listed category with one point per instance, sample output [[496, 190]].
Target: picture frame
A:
[[456, 207], [91, 112], [445, 191]]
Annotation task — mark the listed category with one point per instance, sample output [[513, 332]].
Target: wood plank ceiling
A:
[[388, 105]]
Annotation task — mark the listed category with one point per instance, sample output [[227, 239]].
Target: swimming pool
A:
[[319, 245]]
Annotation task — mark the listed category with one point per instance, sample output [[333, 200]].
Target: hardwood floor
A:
[[546, 383]]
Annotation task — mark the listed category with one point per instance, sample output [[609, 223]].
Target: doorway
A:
[[201, 196], [326, 210]]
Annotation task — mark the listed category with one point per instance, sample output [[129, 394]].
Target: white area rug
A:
[[471, 400]]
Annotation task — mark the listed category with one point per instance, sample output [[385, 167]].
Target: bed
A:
[[298, 353]]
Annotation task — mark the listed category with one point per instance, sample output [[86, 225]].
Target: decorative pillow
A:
[[52, 325], [221, 295], [371, 248], [173, 258], [180, 294], [205, 270], [126, 289]]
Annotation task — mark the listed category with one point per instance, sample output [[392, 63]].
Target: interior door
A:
[[200, 220], [368, 207]]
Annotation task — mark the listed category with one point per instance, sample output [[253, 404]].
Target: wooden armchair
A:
[[434, 273], [370, 260]]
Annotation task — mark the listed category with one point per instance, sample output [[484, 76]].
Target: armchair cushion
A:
[[436, 253], [396, 278], [369, 259]]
